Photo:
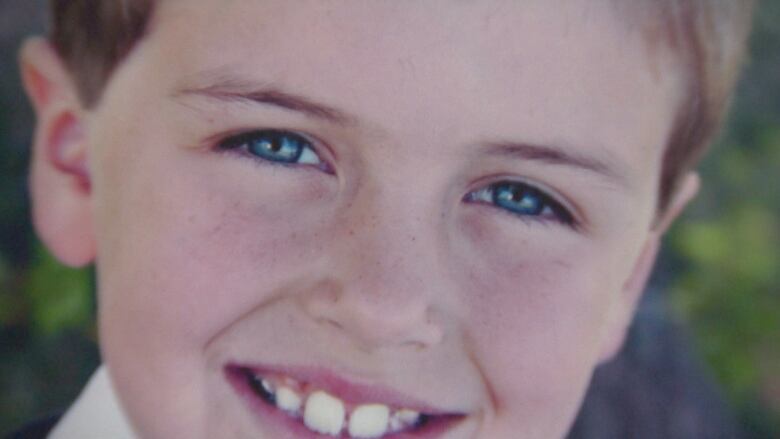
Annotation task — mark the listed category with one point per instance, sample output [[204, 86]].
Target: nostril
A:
[[428, 334]]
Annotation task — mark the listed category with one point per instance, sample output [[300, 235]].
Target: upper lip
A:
[[350, 391]]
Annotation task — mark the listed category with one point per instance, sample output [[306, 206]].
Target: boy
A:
[[365, 219]]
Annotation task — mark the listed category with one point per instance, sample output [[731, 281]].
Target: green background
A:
[[720, 268]]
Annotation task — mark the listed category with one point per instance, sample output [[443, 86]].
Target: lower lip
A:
[[272, 417]]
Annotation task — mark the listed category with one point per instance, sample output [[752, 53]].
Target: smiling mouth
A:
[[317, 412]]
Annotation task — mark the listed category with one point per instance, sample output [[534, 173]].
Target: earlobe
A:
[[59, 178], [623, 311]]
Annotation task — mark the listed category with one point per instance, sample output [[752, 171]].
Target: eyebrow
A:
[[560, 156], [235, 90], [241, 91]]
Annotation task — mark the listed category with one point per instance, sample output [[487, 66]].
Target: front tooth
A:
[[403, 419], [324, 413], [369, 421], [288, 400]]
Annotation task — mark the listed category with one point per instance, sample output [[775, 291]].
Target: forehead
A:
[[568, 73]]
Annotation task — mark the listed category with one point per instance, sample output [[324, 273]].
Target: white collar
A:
[[95, 414]]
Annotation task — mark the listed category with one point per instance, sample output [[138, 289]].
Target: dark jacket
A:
[[36, 430]]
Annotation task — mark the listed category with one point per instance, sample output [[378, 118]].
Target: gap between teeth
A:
[[326, 414]]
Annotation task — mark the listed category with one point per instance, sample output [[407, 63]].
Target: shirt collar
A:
[[96, 414]]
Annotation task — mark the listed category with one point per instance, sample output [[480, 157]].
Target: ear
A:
[[622, 313], [59, 178]]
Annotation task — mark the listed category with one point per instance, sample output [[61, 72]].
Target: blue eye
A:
[[276, 146], [523, 200]]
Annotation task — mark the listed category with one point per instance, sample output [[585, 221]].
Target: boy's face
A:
[[459, 227]]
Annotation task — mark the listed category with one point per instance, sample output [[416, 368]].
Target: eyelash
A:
[[519, 199]]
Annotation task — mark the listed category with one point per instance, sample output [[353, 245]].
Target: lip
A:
[[351, 393]]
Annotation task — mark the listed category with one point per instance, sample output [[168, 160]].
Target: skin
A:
[[378, 269]]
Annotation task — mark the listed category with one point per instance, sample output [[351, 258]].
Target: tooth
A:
[[369, 421], [288, 400], [267, 386], [403, 419], [262, 388], [324, 413]]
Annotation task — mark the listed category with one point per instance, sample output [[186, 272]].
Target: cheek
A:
[[197, 250], [537, 297]]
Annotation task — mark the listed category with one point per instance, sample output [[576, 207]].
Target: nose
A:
[[385, 288]]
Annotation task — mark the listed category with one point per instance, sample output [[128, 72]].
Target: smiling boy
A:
[[365, 219]]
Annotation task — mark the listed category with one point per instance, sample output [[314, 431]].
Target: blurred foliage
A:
[[729, 289], [60, 298], [726, 250]]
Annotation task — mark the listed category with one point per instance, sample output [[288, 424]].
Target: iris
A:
[[277, 146], [520, 199]]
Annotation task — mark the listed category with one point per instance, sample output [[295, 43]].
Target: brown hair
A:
[[94, 36], [709, 36]]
